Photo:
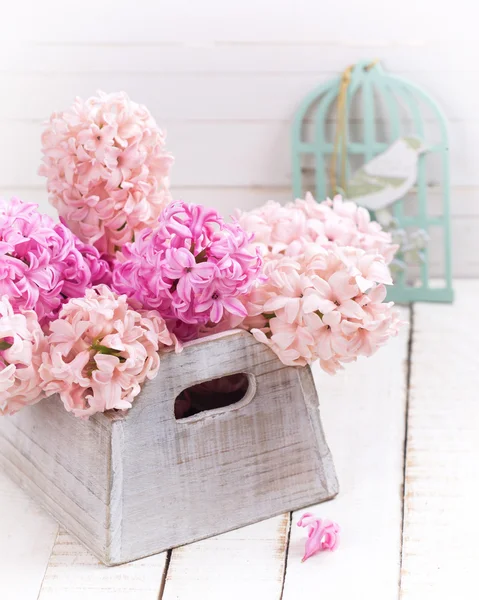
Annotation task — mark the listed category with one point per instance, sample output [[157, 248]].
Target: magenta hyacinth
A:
[[42, 264], [192, 268]]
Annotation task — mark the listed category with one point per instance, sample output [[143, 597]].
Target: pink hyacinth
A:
[[286, 229], [107, 169], [322, 535], [192, 268], [42, 264], [100, 351], [21, 345], [322, 304]]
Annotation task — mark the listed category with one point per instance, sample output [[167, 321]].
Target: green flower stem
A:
[[269, 315], [201, 256]]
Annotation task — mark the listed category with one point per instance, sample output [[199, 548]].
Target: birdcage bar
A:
[[321, 175], [384, 85], [442, 148], [300, 146], [447, 219], [394, 121], [421, 182], [369, 125], [328, 148]]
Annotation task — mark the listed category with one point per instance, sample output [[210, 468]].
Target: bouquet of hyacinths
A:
[[89, 304]]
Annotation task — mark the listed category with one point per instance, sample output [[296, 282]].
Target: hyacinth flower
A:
[[322, 535], [100, 351], [325, 304], [107, 169], [42, 263], [287, 229], [193, 268], [22, 343]]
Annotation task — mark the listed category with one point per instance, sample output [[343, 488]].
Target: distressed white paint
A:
[[75, 574], [262, 21], [364, 413], [319, 56], [63, 464], [27, 535], [219, 96], [246, 563], [441, 529], [133, 485]]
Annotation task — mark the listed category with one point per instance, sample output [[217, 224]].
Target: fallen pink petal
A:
[[323, 534]]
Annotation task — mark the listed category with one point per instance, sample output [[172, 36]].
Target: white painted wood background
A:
[[402, 427], [224, 79]]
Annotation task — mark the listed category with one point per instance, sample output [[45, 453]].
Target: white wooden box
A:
[[132, 485]]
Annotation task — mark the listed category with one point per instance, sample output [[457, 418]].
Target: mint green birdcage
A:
[[378, 109]]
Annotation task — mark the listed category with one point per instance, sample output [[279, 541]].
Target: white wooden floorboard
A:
[[27, 535], [441, 532], [363, 413], [75, 574], [244, 564]]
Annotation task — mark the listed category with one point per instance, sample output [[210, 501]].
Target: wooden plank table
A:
[[402, 427]]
